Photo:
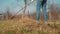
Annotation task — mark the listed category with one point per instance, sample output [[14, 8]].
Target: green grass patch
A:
[[10, 32]]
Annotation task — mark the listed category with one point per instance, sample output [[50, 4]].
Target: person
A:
[[25, 2], [41, 3]]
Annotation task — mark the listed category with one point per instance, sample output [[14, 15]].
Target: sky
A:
[[15, 5]]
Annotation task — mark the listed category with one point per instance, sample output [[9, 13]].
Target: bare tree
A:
[[53, 12], [7, 14]]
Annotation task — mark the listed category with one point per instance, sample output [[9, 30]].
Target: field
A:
[[26, 25]]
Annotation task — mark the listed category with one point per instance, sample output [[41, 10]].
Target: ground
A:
[[26, 25]]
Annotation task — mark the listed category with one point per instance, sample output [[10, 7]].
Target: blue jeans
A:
[[38, 7]]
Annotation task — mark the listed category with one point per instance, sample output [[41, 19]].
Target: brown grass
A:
[[27, 25]]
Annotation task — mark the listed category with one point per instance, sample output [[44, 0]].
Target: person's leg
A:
[[38, 6], [45, 12], [25, 3]]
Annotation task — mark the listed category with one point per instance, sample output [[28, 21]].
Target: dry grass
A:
[[26, 25]]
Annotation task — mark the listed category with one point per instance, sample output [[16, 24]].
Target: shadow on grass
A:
[[58, 32]]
